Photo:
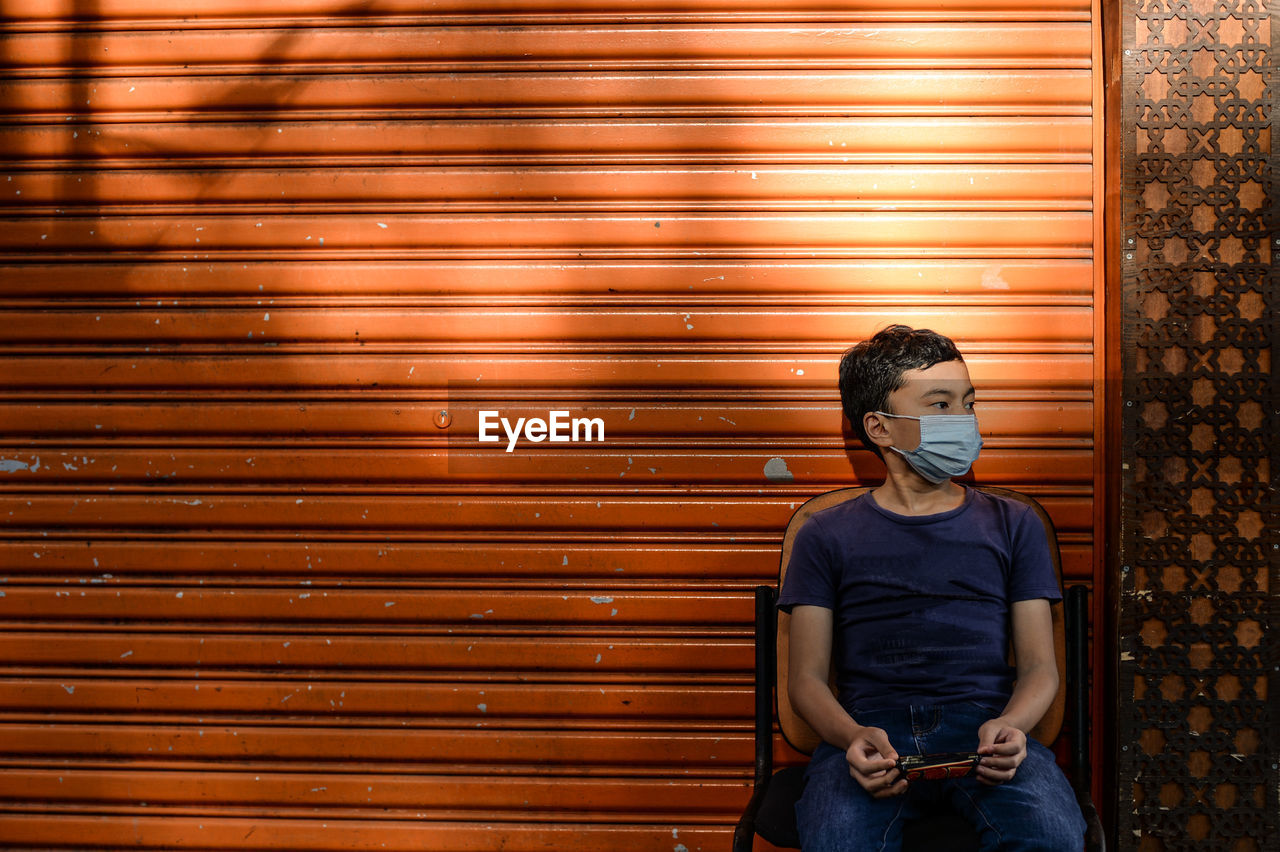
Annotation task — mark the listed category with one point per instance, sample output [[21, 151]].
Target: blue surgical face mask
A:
[[949, 445]]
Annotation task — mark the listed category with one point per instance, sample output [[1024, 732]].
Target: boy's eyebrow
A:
[[947, 392]]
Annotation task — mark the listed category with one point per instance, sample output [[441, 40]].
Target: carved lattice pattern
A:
[[1198, 547]]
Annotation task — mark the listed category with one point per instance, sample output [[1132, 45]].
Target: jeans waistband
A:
[[920, 709]]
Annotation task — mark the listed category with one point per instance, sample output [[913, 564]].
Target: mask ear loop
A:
[[900, 417], [887, 414]]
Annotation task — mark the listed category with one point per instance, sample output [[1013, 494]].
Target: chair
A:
[[771, 809]]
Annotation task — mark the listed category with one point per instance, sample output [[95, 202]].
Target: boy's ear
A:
[[874, 425]]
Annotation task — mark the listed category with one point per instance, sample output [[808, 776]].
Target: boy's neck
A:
[[905, 492]]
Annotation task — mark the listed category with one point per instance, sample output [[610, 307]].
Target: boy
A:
[[917, 588]]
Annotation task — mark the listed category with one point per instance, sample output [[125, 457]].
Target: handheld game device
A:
[[935, 767]]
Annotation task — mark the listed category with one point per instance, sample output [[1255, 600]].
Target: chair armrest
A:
[[765, 638], [1095, 839], [1076, 616], [744, 835]]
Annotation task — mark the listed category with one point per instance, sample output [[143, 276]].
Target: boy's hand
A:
[[1003, 748], [873, 763]]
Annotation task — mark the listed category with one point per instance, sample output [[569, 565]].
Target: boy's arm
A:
[[1003, 740], [870, 756]]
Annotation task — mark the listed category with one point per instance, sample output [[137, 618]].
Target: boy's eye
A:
[[970, 404]]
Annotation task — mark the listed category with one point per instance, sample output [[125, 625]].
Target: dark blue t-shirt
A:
[[921, 603]]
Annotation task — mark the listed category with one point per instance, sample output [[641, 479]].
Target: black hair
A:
[[872, 369]]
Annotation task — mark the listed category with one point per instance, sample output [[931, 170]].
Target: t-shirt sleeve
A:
[[810, 579], [1033, 574]]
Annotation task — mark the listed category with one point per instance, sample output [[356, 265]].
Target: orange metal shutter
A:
[[255, 597]]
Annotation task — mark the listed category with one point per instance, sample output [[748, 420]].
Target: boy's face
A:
[[944, 388]]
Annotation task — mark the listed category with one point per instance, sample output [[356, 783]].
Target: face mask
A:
[[949, 445]]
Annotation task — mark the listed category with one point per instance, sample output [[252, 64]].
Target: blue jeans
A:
[[1036, 810]]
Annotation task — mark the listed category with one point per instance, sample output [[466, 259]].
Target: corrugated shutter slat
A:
[[252, 596]]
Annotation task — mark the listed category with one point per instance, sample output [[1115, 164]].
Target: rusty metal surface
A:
[[255, 597]]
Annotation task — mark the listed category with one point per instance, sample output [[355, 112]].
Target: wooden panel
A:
[[253, 596]]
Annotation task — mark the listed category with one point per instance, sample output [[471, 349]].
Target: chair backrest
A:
[[797, 732]]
